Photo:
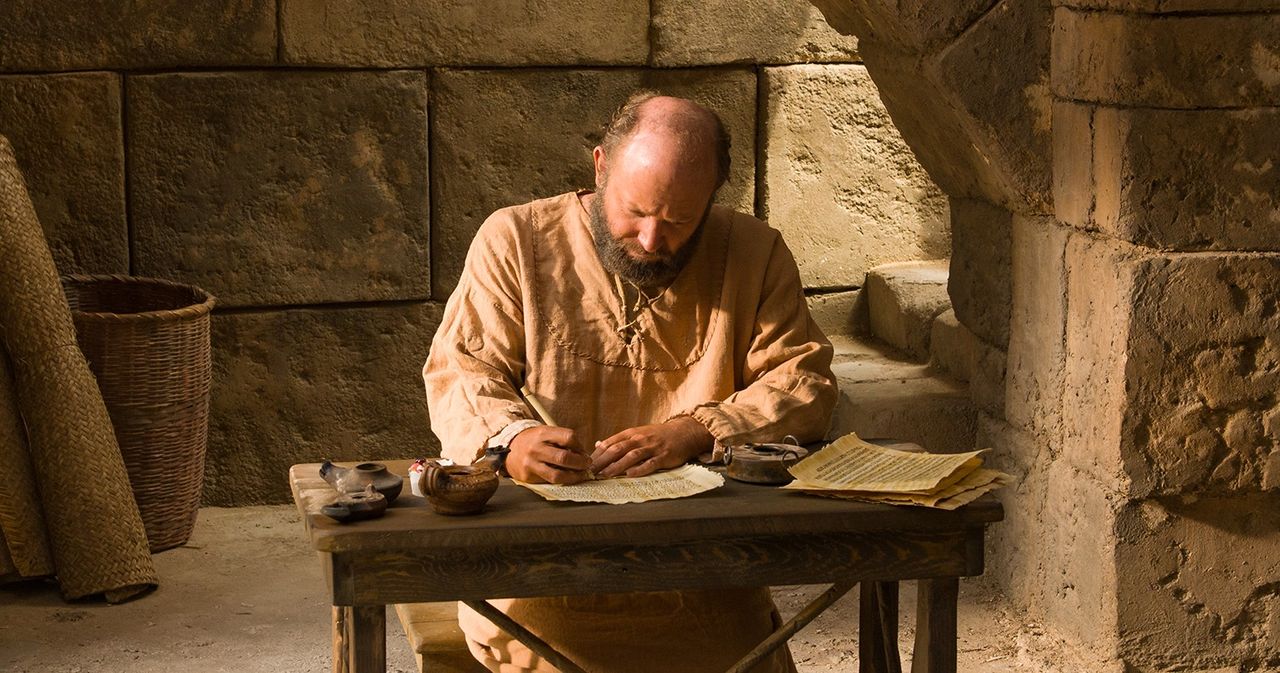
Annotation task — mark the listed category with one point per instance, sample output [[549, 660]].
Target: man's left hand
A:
[[636, 452]]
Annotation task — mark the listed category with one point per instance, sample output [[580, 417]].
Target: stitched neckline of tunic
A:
[[570, 222]]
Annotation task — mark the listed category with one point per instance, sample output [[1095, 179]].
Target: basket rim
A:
[[195, 310]]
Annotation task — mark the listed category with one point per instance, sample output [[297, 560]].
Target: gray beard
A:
[[647, 274]]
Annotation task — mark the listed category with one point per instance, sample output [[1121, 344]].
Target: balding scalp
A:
[[696, 129]]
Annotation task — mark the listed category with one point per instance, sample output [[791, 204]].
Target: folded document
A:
[[852, 469]]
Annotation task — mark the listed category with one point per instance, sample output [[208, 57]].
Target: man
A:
[[655, 327]]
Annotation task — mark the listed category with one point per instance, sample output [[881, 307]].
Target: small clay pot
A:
[[458, 489], [368, 504], [355, 479]]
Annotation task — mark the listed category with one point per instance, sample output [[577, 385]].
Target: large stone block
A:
[[1187, 180], [304, 385], [1202, 373], [998, 72], [910, 25], [1172, 363], [505, 137], [422, 32], [977, 112], [1201, 587], [1014, 566], [1078, 535], [42, 35], [1073, 186], [1054, 554], [839, 180], [903, 299], [1037, 326], [1174, 6], [1169, 61], [981, 268], [696, 33], [1099, 315], [65, 131], [276, 188], [930, 124]]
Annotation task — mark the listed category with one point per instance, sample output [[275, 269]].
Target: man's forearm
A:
[[799, 405]]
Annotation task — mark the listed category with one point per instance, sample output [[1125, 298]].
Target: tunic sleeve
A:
[[789, 388], [477, 358]]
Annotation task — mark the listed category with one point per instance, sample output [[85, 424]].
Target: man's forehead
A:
[[659, 148], [647, 183]]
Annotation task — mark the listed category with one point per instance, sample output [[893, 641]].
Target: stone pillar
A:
[[1166, 128], [1117, 251]]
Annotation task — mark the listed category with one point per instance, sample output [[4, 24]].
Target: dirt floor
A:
[[245, 595]]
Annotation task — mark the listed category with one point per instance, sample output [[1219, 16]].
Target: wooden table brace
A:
[[771, 642], [525, 636], [815, 607]]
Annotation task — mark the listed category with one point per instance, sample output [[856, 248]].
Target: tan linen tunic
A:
[[730, 343]]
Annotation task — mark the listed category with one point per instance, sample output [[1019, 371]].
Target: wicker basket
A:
[[147, 342]]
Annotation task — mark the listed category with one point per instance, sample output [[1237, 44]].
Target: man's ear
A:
[[597, 158]]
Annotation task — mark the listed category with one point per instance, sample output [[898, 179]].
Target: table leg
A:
[[935, 648], [878, 628], [360, 639]]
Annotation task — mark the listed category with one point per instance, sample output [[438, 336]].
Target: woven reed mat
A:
[[8, 571], [6, 562], [94, 530], [21, 516]]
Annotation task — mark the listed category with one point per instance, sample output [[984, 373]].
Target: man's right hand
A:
[[547, 454]]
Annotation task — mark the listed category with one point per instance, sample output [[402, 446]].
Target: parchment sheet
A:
[[850, 464], [963, 492], [681, 482]]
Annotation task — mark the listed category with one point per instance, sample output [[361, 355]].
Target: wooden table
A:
[[736, 535]]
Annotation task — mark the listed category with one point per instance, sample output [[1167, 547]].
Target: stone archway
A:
[[1115, 193]]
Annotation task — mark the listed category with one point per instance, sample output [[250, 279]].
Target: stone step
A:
[[842, 313], [952, 347], [903, 299], [885, 397]]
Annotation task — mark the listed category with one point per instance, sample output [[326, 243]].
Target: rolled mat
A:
[[6, 562], [26, 543], [94, 530]]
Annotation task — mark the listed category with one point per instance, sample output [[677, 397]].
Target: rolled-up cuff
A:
[[715, 424], [713, 457], [507, 434]]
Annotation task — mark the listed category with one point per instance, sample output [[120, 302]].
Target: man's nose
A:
[[649, 237]]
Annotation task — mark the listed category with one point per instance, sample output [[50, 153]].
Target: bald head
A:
[[679, 128]]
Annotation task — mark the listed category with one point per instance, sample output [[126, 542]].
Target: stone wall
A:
[[1115, 204], [321, 165], [1182, 128]]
